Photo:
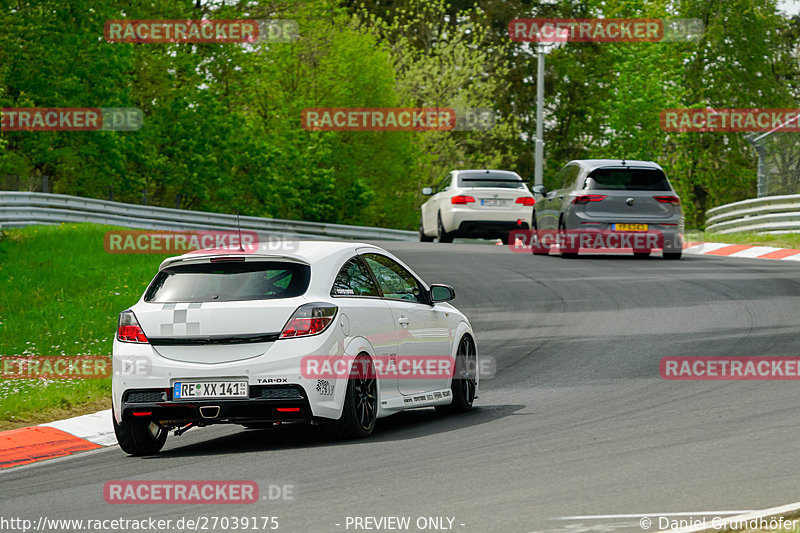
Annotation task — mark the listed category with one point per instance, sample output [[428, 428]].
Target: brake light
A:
[[128, 328], [672, 200], [288, 409], [526, 200], [142, 413], [586, 198], [309, 319], [461, 200]]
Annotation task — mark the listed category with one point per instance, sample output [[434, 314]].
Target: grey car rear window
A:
[[628, 179], [229, 281], [484, 180]]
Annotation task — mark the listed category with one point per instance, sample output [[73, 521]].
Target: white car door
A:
[[367, 315], [423, 335]]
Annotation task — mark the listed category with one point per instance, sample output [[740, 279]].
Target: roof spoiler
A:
[[201, 259]]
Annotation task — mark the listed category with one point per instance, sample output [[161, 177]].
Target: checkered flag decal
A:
[[180, 324]]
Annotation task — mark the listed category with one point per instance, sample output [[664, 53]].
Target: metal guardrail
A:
[[770, 214], [19, 209]]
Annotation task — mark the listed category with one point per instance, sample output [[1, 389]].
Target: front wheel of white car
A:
[[139, 437], [360, 411], [464, 382]]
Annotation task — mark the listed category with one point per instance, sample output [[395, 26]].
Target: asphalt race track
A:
[[577, 420]]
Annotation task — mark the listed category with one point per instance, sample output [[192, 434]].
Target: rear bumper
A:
[[488, 228], [149, 383], [485, 222], [671, 228], [575, 219], [265, 404]]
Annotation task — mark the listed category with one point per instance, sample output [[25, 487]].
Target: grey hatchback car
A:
[[612, 195]]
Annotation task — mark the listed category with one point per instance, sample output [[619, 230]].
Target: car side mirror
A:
[[442, 293], [427, 191], [539, 189]]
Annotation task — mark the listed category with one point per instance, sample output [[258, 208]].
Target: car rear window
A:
[[628, 179], [229, 281], [485, 180]]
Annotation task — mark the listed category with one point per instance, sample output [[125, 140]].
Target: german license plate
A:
[[191, 390], [629, 227], [493, 202]]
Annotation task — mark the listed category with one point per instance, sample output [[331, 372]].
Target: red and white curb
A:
[[94, 427], [56, 439], [730, 250], [741, 250]]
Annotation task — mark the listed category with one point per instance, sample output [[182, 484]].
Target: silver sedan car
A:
[[609, 198]]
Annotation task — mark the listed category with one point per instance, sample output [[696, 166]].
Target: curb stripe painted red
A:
[[56, 439], [741, 250], [27, 445]]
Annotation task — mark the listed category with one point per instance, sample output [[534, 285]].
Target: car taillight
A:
[[309, 319], [526, 200], [672, 200], [461, 200], [128, 328], [586, 198]]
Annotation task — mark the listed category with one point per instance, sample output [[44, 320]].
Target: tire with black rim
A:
[[536, 247], [139, 437], [566, 252], [422, 236], [441, 234], [360, 410], [464, 382]]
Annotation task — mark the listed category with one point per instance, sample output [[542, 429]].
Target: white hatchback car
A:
[[485, 204], [246, 338]]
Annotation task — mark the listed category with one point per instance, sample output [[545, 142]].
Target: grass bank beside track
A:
[[61, 293]]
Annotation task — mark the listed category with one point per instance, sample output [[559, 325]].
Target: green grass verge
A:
[[788, 240], [61, 294]]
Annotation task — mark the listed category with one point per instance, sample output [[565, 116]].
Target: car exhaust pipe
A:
[[209, 411]]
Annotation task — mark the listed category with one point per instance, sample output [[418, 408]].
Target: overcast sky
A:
[[790, 6]]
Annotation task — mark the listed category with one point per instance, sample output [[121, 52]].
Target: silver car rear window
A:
[[229, 281], [628, 179]]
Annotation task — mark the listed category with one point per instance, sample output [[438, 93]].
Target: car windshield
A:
[[628, 179], [229, 281], [489, 180]]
